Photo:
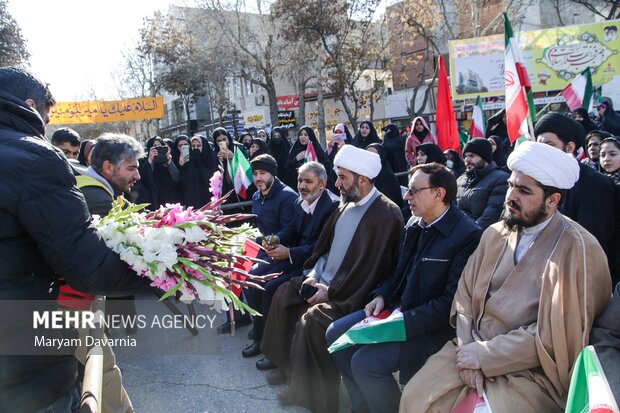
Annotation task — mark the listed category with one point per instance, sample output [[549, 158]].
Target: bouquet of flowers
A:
[[186, 251]]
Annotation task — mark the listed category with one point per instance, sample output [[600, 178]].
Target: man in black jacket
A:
[[482, 188], [438, 241], [45, 231], [591, 202]]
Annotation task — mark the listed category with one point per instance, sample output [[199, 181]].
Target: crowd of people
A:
[[501, 257]]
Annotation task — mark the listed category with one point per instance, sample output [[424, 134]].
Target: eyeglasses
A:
[[414, 191]]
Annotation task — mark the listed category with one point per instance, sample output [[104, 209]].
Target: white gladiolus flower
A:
[[194, 234]]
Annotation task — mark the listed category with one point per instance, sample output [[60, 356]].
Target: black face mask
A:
[[247, 144], [277, 140], [194, 155]]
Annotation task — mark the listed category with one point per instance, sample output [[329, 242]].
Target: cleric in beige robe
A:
[[525, 303]]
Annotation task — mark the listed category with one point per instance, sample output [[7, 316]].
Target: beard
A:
[[530, 220], [352, 195], [310, 196]]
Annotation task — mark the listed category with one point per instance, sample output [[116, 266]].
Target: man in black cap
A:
[[482, 188], [591, 201], [273, 204]]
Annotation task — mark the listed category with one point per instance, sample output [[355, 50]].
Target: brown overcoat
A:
[[294, 336], [533, 319]]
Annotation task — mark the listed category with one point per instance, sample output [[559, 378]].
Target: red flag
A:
[[445, 119], [250, 249]]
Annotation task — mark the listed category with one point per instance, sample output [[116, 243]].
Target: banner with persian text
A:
[[107, 111], [553, 57]]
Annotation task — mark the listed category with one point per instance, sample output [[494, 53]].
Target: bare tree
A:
[[346, 32], [137, 79], [607, 9], [251, 37], [181, 59], [303, 59], [428, 25]]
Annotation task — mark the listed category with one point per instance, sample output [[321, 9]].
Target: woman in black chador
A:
[[297, 155]]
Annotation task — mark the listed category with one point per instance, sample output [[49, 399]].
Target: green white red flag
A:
[[240, 173], [387, 326], [589, 390], [520, 111], [310, 153], [578, 93], [478, 124]]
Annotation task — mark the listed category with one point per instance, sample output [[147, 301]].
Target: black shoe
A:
[[252, 350], [225, 328], [251, 334], [265, 364]]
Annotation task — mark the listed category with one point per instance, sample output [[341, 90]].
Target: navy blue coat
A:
[[274, 212], [424, 283]]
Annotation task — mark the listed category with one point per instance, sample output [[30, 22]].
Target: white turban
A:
[[546, 164], [357, 160]]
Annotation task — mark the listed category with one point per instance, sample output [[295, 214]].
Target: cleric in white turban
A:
[[358, 160], [546, 164]]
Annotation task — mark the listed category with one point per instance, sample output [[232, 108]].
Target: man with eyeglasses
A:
[[525, 302], [439, 239]]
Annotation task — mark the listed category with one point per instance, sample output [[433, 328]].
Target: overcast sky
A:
[[75, 45]]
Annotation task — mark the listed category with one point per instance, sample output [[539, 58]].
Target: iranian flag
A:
[[310, 153], [387, 326], [520, 111], [478, 125], [589, 390], [578, 93], [241, 173]]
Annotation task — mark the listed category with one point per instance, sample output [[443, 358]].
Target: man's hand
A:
[[278, 252], [375, 306], [467, 357], [473, 379], [310, 281], [320, 296]]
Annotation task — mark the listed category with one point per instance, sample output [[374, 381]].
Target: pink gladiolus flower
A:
[[216, 186]]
